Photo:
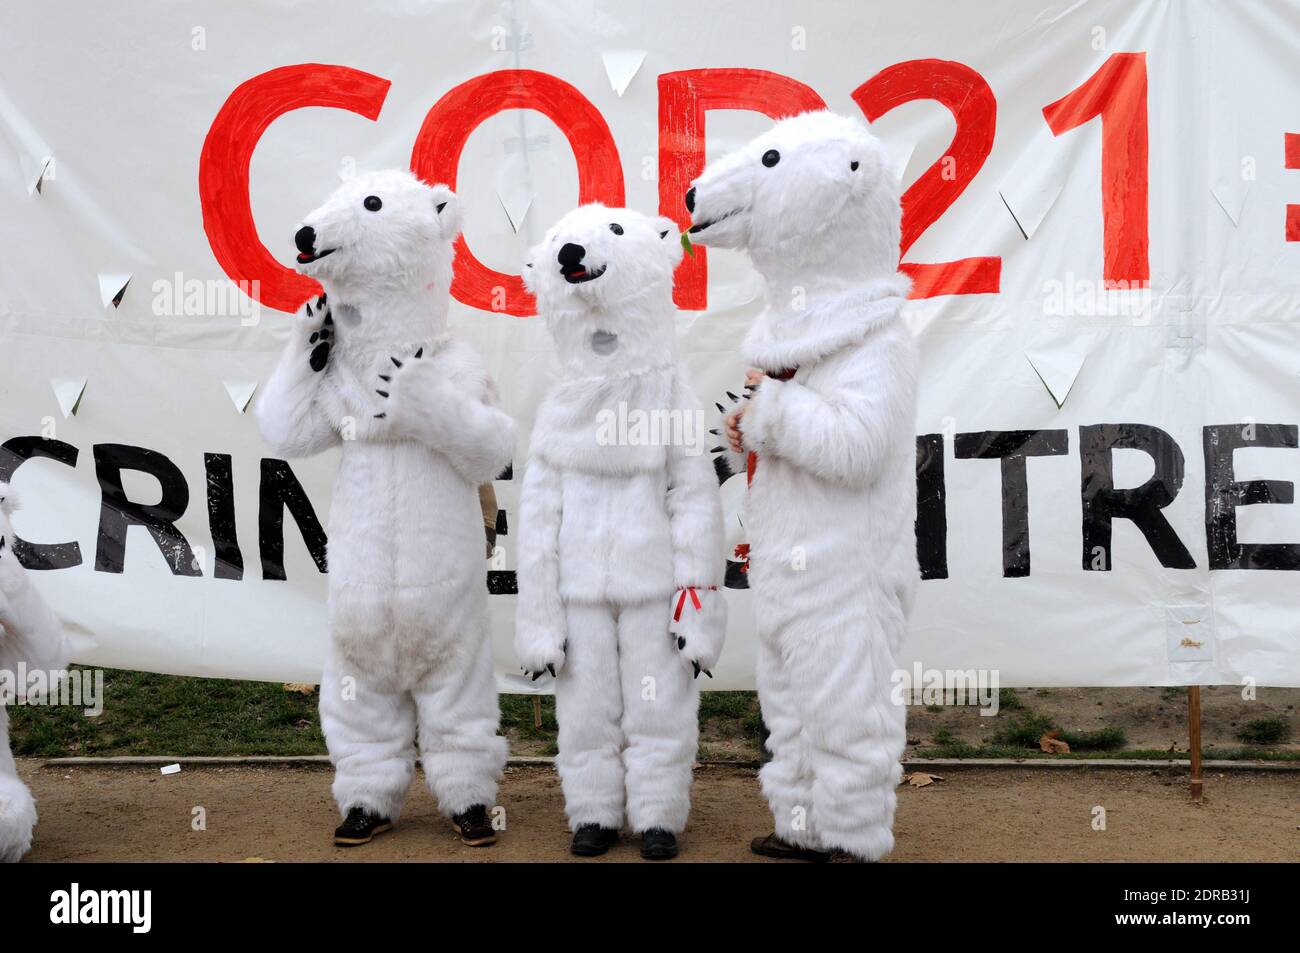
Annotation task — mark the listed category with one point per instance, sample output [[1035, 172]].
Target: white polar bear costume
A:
[[620, 532], [371, 366], [31, 638], [831, 505]]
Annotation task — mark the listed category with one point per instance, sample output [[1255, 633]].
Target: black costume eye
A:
[[771, 157], [373, 203], [616, 228]]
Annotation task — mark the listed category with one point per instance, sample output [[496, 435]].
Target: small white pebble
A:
[[170, 769]]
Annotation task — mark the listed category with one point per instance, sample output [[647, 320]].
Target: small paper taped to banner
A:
[[516, 201], [36, 171], [621, 66], [68, 391], [112, 285], [1057, 368], [241, 392]]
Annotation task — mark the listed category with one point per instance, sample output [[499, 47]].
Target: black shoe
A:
[[474, 827], [773, 846], [592, 840], [360, 827], [658, 844]]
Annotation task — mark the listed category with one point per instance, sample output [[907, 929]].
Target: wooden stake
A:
[[537, 711], [1194, 736]]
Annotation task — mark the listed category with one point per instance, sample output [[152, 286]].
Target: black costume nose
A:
[[690, 199], [571, 255], [305, 239]]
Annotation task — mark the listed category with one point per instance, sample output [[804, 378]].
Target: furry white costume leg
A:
[[589, 709], [17, 807], [787, 779], [32, 637], [661, 704], [369, 726], [831, 507], [458, 717], [618, 530]]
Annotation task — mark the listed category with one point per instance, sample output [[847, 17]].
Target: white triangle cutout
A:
[[36, 170], [621, 66], [1058, 368], [241, 393], [68, 391], [111, 285], [516, 202]]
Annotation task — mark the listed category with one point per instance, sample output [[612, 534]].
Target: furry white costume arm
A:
[[32, 634], [289, 414], [539, 611], [840, 434], [699, 609], [451, 409]]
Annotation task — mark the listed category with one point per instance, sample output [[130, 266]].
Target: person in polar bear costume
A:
[[620, 532], [829, 419], [31, 638], [371, 366]]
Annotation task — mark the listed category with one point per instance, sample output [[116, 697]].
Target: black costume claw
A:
[[732, 396], [309, 310], [721, 409], [715, 433], [419, 353], [681, 641], [396, 362], [382, 393], [385, 378], [708, 673], [380, 416], [696, 666], [551, 668], [536, 676], [717, 449]]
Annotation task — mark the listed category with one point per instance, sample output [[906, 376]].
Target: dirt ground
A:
[[1151, 718], [284, 813]]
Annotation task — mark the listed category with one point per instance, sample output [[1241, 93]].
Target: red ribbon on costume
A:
[[681, 601]]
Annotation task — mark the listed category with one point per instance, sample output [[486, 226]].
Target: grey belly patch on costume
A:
[[347, 315], [604, 342]]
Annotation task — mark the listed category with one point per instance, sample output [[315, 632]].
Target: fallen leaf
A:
[[1052, 744], [919, 779], [302, 688]]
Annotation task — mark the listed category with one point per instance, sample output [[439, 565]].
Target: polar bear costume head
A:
[[603, 278], [382, 240], [813, 196]]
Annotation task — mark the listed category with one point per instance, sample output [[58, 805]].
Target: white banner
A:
[[1102, 216]]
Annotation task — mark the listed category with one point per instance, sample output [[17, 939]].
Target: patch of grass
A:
[[1265, 731], [1023, 731], [1173, 693], [943, 737], [1104, 739], [517, 717], [150, 714], [1008, 700]]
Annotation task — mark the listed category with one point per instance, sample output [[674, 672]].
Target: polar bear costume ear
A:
[[447, 205], [670, 234]]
